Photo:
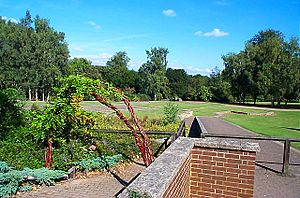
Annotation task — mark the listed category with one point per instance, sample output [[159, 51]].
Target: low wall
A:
[[193, 167]]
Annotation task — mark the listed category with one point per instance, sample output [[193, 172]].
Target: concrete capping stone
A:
[[155, 180], [212, 142], [203, 129]]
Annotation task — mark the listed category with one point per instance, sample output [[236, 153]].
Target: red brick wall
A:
[[221, 173], [179, 187]]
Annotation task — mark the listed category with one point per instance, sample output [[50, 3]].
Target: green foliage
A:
[[178, 82], [32, 55], [170, 113], [98, 163], [10, 111], [268, 67], [137, 194], [11, 181], [4, 168], [153, 73], [205, 94]]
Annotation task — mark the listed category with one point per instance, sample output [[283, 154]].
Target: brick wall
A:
[[199, 167], [222, 172], [179, 186]]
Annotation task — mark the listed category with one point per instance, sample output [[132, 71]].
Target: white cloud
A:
[[99, 59], [191, 70], [10, 19], [195, 70], [169, 13], [214, 33], [198, 33], [94, 25]]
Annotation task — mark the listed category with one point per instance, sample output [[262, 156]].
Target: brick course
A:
[[179, 186], [221, 173]]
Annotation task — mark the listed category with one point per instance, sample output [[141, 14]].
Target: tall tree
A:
[[273, 59], [117, 69], [178, 82], [153, 73]]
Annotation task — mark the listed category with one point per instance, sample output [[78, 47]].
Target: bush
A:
[[11, 180], [98, 163], [10, 111], [170, 113]]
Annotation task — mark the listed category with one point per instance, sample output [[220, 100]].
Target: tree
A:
[[238, 74], [178, 82], [153, 73], [193, 87], [274, 60], [32, 55], [117, 69], [220, 88]]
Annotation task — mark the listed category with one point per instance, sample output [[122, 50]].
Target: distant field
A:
[[285, 123]]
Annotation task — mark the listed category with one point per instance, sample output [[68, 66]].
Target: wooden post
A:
[[286, 157]]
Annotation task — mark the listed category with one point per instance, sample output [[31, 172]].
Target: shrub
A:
[[98, 163], [11, 180], [170, 113], [10, 110]]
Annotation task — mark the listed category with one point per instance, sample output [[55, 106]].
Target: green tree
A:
[[153, 73], [117, 70], [238, 74], [178, 82], [32, 55], [274, 69], [220, 88]]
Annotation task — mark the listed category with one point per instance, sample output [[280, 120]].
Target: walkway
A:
[[97, 186], [267, 183]]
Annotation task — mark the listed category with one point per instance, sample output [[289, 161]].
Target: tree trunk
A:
[[48, 154], [279, 103], [48, 96], [43, 95], [254, 100], [36, 95], [154, 97], [144, 145], [29, 94]]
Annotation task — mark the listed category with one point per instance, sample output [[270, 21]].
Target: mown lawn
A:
[[282, 124]]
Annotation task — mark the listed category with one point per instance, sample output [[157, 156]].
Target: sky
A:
[[196, 32]]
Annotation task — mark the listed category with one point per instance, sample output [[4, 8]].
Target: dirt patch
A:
[[220, 114]]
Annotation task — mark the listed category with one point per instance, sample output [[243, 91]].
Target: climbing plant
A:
[[63, 119]]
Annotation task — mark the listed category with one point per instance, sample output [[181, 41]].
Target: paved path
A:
[[96, 186], [267, 183]]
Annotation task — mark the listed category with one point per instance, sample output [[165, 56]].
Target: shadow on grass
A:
[[294, 129]]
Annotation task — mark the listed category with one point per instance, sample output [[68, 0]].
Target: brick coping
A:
[[156, 178], [220, 143]]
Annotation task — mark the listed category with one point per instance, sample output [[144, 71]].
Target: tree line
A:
[[34, 55]]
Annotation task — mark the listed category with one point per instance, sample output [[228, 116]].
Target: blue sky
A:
[[196, 32]]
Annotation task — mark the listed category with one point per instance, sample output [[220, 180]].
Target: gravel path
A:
[[267, 183]]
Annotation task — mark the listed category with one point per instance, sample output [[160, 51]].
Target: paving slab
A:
[[102, 185]]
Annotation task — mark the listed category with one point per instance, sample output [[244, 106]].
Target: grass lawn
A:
[[282, 124]]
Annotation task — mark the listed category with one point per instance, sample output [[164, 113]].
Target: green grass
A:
[[279, 125], [282, 124]]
